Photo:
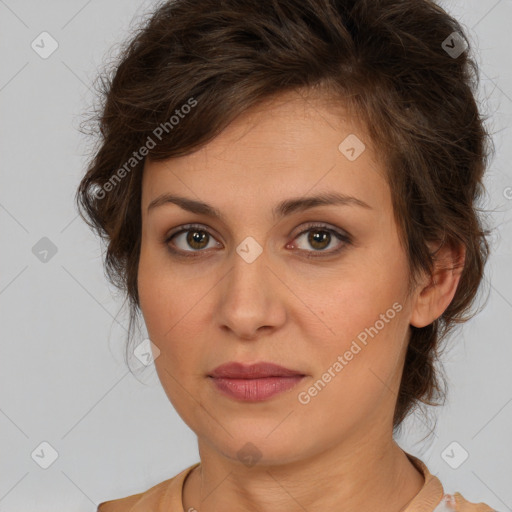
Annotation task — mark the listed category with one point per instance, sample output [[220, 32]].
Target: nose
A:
[[250, 300]]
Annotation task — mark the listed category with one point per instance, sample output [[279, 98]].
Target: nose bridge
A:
[[248, 272], [248, 300]]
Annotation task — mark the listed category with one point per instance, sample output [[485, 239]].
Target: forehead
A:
[[285, 146], [287, 121]]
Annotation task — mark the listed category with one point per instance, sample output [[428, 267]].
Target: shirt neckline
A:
[[430, 494], [426, 500]]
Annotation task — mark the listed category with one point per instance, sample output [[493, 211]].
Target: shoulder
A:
[[127, 503], [456, 502], [159, 497], [433, 497]]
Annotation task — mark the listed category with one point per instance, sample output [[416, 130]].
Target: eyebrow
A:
[[284, 208]]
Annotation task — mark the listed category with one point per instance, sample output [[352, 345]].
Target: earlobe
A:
[[436, 292]]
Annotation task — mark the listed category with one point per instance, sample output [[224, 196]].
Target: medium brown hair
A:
[[385, 59]]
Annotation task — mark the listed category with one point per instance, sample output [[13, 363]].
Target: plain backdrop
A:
[[64, 381]]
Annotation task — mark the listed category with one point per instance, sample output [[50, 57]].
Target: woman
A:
[[288, 190]]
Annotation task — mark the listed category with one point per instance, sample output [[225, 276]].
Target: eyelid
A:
[[340, 234], [323, 225], [189, 227]]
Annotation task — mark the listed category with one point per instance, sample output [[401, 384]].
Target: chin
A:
[[261, 449]]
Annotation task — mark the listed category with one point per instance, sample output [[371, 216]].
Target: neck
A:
[[364, 476]]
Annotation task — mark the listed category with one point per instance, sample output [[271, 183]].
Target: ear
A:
[[437, 291]]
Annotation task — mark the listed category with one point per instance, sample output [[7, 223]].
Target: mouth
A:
[[235, 370], [255, 382]]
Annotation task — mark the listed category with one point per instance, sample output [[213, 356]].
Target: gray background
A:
[[63, 376]]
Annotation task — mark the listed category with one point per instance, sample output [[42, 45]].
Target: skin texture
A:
[[299, 312]]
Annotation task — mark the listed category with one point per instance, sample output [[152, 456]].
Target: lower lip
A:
[[255, 390]]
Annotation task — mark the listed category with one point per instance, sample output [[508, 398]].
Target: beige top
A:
[[167, 496]]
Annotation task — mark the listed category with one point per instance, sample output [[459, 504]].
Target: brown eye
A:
[[319, 238], [191, 239], [196, 239]]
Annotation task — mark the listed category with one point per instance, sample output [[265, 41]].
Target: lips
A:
[[234, 370], [254, 382]]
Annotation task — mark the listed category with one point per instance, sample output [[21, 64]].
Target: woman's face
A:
[[317, 288]]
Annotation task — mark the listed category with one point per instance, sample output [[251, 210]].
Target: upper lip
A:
[[235, 370]]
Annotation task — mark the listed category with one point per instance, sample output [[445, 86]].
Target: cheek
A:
[[370, 336], [365, 307], [172, 314], [171, 321], [171, 307], [158, 286], [360, 296], [154, 301], [357, 371]]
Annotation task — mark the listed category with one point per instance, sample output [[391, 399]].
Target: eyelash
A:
[[341, 236]]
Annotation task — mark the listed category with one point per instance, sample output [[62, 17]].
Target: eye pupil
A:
[[195, 238], [317, 237]]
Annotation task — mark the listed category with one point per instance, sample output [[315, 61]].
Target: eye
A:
[[195, 238], [320, 237], [191, 238]]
